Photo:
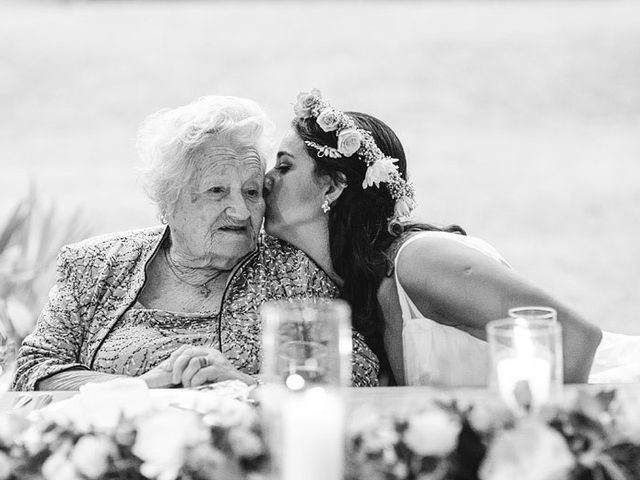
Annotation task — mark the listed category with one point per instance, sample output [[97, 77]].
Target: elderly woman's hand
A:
[[191, 366]]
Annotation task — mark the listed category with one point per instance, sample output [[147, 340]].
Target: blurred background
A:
[[521, 120]]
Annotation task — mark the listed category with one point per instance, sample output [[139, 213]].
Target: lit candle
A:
[[312, 436], [525, 374]]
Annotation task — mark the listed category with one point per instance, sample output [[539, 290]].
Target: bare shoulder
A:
[[439, 258]]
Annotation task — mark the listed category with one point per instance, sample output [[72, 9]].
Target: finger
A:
[[209, 374], [183, 359], [176, 353], [194, 365]]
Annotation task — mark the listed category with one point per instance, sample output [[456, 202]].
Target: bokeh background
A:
[[521, 119]]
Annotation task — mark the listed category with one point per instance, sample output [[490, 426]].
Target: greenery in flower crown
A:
[[354, 140]]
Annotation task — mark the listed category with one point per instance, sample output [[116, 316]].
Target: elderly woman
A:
[[177, 304]]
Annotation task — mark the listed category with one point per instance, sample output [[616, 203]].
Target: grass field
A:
[[521, 120]]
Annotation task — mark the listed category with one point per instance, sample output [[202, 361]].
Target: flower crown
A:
[[353, 140]]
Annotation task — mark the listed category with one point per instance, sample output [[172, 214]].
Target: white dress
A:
[[437, 354]]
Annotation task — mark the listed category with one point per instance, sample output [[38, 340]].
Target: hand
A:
[[161, 376], [193, 366]]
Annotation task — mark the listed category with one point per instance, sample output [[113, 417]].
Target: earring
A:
[[325, 206], [163, 219]]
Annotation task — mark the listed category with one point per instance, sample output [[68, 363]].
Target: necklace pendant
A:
[[204, 290]]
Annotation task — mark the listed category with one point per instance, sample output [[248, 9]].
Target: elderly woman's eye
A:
[[254, 192], [216, 190]]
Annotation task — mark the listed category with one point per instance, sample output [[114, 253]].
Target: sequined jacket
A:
[[101, 277]]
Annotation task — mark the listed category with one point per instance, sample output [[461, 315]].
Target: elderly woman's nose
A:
[[238, 209]]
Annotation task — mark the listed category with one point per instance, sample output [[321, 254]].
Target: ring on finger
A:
[[203, 362]]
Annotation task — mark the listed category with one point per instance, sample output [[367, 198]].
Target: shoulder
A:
[[286, 263], [436, 256], [111, 246]]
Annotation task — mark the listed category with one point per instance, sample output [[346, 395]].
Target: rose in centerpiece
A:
[[433, 432], [91, 455], [162, 441], [530, 451]]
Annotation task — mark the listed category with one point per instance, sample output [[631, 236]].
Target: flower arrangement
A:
[[590, 437], [164, 444], [593, 437], [352, 140]]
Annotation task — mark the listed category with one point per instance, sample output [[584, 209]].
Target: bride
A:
[[421, 295]]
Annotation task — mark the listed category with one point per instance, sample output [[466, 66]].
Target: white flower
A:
[[245, 443], [328, 119], [229, 412], [432, 433], [403, 208], [305, 102], [364, 419], [162, 440], [5, 466], [59, 467], [91, 456], [379, 171], [349, 141], [531, 451]]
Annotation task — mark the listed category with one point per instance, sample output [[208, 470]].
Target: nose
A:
[[237, 208]]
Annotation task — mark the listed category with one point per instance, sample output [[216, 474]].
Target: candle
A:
[[312, 436], [522, 377]]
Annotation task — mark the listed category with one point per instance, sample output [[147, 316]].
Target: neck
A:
[[313, 239]]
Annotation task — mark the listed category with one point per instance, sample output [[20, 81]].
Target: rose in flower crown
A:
[[352, 140]]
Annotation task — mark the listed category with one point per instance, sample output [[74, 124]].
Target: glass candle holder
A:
[[525, 355], [534, 313], [306, 343], [305, 363]]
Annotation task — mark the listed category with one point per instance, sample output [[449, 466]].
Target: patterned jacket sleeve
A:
[[54, 345], [364, 363]]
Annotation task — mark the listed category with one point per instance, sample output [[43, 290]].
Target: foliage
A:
[[30, 239]]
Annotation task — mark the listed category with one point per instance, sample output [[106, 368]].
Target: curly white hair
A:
[[167, 139]]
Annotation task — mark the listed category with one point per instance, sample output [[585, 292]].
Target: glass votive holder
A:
[[538, 312], [306, 343], [534, 313], [526, 362], [306, 359]]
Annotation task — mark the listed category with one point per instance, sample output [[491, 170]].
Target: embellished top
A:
[[99, 280], [143, 337]]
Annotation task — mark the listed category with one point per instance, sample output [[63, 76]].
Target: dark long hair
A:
[[359, 231]]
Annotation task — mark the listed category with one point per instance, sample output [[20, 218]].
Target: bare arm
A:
[[457, 285], [73, 379]]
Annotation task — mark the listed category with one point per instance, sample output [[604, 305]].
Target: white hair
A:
[[167, 139]]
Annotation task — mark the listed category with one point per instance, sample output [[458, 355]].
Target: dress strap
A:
[[408, 308]]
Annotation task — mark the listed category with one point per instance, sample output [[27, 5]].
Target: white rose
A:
[[349, 141], [91, 456], [162, 440], [530, 451], [432, 433], [379, 171], [59, 467], [5, 466], [229, 412], [245, 443], [305, 103], [328, 119]]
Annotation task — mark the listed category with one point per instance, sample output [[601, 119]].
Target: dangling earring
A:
[[325, 206], [163, 218]]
